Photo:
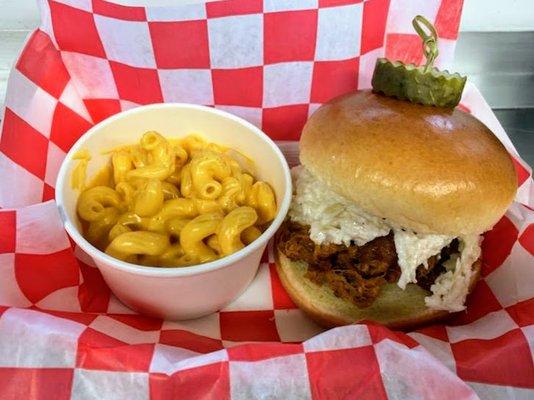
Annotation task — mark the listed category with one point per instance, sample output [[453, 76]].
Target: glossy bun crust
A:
[[429, 169]]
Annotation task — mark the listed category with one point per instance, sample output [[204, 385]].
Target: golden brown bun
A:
[[424, 168], [394, 307]]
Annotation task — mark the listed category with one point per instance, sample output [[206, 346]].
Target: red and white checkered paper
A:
[[273, 62]]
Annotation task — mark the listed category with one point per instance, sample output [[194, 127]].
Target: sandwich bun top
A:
[[428, 169]]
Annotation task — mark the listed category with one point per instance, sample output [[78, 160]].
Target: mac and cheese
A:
[[172, 203]]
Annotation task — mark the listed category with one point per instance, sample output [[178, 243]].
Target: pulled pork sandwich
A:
[[388, 207]]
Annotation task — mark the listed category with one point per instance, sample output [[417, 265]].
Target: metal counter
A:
[[501, 65]]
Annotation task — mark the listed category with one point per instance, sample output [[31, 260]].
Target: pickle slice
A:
[[425, 84], [409, 82]]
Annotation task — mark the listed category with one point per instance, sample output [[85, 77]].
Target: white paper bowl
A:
[[190, 292]]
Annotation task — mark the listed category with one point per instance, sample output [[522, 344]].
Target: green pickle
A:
[[409, 82], [419, 84]]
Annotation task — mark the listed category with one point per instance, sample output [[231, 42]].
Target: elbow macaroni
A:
[[194, 233], [232, 226], [173, 203]]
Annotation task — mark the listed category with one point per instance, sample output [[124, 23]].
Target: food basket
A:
[[272, 62]]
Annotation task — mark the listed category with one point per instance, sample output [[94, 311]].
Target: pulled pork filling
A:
[[355, 273], [333, 228]]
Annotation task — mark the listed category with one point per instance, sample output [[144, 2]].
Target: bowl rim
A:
[[198, 269]]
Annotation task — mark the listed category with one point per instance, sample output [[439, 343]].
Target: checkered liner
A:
[[273, 62]]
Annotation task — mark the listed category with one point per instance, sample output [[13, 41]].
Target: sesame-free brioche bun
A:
[[429, 169], [394, 307]]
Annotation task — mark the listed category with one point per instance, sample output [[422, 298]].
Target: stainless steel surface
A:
[[519, 125], [500, 64]]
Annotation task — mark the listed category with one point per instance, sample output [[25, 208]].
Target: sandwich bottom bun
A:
[[394, 307]]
